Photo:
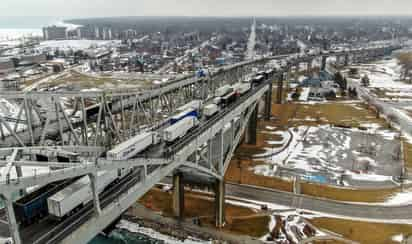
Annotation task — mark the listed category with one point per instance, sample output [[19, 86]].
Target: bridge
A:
[[69, 132]]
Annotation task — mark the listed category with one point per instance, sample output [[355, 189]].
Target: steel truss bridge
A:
[[69, 132]]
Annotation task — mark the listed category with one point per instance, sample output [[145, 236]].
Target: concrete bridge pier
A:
[[252, 127], [346, 60], [220, 202], [323, 64], [178, 195], [338, 60], [268, 103], [309, 66], [11, 217], [279, 91], [96, 201]]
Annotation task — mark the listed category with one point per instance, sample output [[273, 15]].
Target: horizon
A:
[[210, 8]]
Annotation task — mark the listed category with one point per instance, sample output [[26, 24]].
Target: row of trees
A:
[[342, 82]]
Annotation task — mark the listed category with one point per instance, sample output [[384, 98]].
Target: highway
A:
[[326, 207]]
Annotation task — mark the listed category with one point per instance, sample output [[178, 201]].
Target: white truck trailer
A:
[[223, 90], [210, 109], [179, 129], [79, 193], [133, 146], [241, 88], [195, 104]]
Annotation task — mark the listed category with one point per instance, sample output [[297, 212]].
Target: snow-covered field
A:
[[132, 227], [7, 35], [76, 44], [328, 154], [385, 75]]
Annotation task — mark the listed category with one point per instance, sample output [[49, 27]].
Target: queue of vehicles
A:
[[61, 199]]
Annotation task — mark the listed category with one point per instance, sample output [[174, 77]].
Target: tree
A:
[[331, 95], [340, 80], [405, 61], [365, 80]]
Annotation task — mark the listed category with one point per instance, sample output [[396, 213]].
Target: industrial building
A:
[[55, 33]]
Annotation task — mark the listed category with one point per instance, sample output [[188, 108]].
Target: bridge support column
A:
[[279, 95], [178, 195], [296, 185], [11, 217], [268, 103], [346, 59], [96, 201], [309, 66], [252, 127], [19, 173], [220, 203], [323, 64]]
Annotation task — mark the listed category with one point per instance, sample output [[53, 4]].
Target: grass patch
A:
[[345, 194], [240, 220], [239, 172], [347, 114], [407, 150], [89, 81], [363, 232]]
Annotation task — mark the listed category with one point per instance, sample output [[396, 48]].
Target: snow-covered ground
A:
[[8, 35], [333, 155], [385, 76], [132, 227], [76, 44]]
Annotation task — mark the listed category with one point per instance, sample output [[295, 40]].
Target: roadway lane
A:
[[358, 211]]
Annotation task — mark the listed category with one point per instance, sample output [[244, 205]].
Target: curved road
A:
[[346, 210]]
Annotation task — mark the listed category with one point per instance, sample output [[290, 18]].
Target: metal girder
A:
[[90, 228], [213, 130], [82, 169]]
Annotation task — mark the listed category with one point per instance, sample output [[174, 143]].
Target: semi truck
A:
[[210, 110], [186, 113], [229, 98], [179, 129], [133, 146], [33, 206], [79, 193], [195, 104], [241, 88], [223, 90]]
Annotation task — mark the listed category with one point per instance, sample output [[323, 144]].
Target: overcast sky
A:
[[101, 8]]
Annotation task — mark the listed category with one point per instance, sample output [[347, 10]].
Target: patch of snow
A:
[[132, 227]]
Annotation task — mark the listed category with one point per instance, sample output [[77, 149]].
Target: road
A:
[[353, 211], [390, 110], [250, 52]]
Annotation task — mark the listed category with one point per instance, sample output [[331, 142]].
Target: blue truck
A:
[[186, 113], [33, 206]]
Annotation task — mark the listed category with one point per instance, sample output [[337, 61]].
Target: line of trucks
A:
[[63, 198]]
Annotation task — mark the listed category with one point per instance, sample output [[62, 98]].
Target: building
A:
[[107, 34], [6, 66], [55, 33], [86, 32], [33, 59]]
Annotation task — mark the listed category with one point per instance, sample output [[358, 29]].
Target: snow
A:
[[385, 74], [76, 44], [327, 154], [132, 227], [400, 198], [397, 238], [305, 94], [9, 36]]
